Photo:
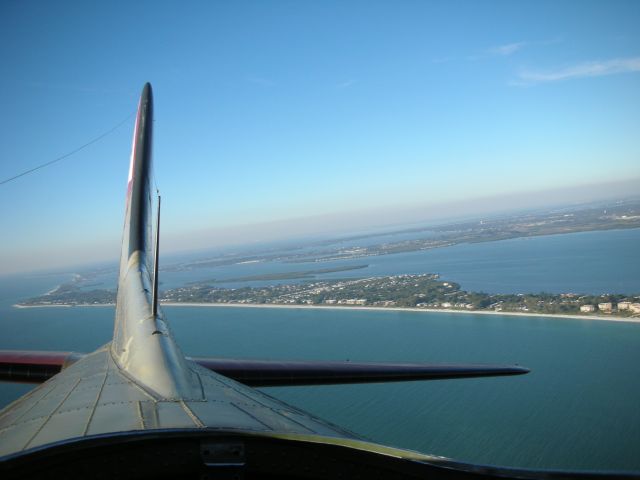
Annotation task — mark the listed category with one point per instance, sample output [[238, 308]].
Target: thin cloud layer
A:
[[586, 69], [347, 83], [506, 50]]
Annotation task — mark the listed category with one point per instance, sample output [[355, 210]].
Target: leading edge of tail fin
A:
[[137, 228], [143, 344]]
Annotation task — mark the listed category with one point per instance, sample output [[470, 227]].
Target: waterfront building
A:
[[605, 307], [587, 308], [624, 305]]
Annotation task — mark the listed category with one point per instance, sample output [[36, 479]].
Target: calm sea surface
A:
[[586, 262], [578, 408]]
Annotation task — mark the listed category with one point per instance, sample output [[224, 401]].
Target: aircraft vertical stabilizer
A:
[[143, 345]]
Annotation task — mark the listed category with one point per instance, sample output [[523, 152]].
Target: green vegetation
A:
[[413, 291], [70, 294]]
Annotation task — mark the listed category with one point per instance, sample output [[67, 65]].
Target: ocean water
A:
[[577, 409], [585, 262]]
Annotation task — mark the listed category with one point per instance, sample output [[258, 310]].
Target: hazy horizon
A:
[[304, 230]]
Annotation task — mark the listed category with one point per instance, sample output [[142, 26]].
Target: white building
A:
[[624, 305], [605, 307], [587, 308]]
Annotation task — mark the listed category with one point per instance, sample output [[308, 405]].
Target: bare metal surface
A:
[[154, 296], [142, 345], [95, 397]]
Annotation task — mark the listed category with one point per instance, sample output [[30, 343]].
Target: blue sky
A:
[[343, 113]]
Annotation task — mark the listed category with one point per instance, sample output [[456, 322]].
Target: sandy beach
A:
[[607, 318]]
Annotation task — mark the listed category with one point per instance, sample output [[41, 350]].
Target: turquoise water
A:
[[585, 262], [577, 409]]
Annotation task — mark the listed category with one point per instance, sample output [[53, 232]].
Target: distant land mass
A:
[[622, 214], [424, 290], [284, 275]]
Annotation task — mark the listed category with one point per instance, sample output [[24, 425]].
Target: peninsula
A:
[[418, 291]]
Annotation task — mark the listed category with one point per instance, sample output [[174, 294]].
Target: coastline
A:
[[59, 305], [409, 309], [608, 318]]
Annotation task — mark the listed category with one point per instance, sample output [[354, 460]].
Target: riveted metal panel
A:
[[81, 397], [122, 392], [69, 424], [317, 426], [221, 389], [19, 409], [14, 438], [89, 365], [115, 417], [279, 422], [224, 394], [226, 415], [49, 403], [172, 415], [149, 414], [92, 381]]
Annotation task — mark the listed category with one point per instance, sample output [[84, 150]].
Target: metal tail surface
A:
[[143, 345]]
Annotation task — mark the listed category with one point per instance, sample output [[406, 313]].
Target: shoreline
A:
[[612, 318], [608, 318], [60, 305]]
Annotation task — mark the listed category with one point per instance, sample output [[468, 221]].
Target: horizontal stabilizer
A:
[[37, 367], [24, 366], [272, 373]]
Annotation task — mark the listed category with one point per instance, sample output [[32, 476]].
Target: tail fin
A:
[[137, 223], [143, 345]]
